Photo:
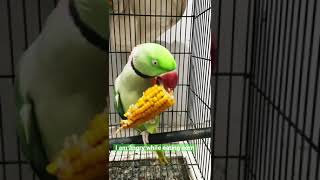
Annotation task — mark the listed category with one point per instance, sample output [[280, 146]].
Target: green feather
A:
[[118, 104], [153, 59], [150, 127], [33, 150]]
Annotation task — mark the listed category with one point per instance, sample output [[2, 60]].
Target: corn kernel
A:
[[154, 101]]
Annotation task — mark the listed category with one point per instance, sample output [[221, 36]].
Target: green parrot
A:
[[148, 63], [61, 79]]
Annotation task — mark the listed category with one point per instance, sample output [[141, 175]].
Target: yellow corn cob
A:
[[84, 158], [154, 101]]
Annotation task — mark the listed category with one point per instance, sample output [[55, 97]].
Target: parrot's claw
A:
[[163, 161]]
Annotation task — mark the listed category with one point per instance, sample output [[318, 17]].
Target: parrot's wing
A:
[[30, 137], [118, 104]]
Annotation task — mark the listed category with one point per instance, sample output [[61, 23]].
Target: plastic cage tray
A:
[[144, 169]]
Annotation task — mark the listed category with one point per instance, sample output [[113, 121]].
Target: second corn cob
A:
[[84, 157]]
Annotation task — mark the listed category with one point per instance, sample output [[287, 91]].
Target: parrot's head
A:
[[154, 61]]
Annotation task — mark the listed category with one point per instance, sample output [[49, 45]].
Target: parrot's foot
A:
[[145, 137], [163, 161], [162, 158]]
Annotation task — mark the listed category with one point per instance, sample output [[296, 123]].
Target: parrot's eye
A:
[[154, 62]]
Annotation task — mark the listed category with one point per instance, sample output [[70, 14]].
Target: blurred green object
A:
[[62, 79]]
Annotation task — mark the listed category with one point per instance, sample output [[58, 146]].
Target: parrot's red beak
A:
[[168, 80]]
